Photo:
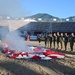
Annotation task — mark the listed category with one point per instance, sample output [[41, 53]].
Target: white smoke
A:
[[15, 41], [3, 31]]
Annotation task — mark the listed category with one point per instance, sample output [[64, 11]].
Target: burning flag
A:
[[15, 47], [37, 54]]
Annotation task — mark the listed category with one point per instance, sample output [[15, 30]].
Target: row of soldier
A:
[[59, 39]]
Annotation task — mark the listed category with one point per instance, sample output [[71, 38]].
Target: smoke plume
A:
[[14, 40]]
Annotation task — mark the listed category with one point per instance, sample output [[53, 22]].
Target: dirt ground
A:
[[65, 66]]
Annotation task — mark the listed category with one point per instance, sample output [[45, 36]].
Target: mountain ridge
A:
[[44, 17]]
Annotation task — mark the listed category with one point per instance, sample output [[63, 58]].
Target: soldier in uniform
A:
[[72, 38], [50, 39], [54, 39], [45, 39], [61, 40], [39, 38], [58, 39], [65, 41]]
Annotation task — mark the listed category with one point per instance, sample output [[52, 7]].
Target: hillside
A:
[[49, 18], [44, 17]]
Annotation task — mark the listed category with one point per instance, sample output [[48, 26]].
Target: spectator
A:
[[28, 37]]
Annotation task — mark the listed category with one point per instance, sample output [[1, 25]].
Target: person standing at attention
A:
[[72, 39], [45, 37], [50, 39], [54, 39], [58, 40], [65, 41]]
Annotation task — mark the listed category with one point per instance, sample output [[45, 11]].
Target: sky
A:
[[23, 8]]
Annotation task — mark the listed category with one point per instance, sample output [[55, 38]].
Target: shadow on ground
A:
[[57, 67], [16, 69]]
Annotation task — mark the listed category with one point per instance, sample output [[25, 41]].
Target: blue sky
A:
[[19, 8]]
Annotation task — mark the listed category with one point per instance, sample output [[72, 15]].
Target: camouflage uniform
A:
[[65, 41], [72, 38]]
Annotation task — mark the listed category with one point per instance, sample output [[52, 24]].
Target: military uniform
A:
[[72, 38], [61, 41], [58, 41], [65, 41], [54, 40], [45, 40], [50, 41], [39, 38], [48, 38]]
